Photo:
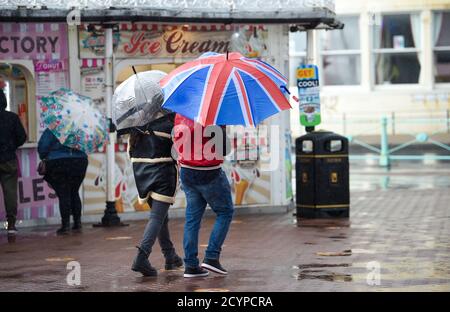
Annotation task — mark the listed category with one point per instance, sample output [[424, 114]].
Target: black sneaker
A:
[[195, 272], [214, 266], [174, 263]]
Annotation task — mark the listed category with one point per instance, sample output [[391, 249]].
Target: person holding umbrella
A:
[[137, 109], [65, 171], [74, 128], [215, 89]]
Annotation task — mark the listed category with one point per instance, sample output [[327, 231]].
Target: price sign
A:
[[309, 95]]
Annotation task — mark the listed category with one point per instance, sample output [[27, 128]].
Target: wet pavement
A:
[[402, 234], [372, 178]]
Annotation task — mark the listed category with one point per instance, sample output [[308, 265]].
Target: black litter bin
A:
[[322, 175]]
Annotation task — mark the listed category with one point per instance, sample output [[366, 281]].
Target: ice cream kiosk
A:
[[106, 40]]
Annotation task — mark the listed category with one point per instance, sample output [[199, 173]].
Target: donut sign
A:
[[309, 95]]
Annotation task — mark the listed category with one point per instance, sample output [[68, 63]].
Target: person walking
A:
[[12, 135], [204, 182], [156, 177], [65, 172]]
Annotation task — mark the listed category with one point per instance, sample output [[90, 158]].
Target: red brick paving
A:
[[406, 231]]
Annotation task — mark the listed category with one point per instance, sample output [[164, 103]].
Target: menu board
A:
[[50, 76]]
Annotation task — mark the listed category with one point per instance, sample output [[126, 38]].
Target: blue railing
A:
[[384, 151]]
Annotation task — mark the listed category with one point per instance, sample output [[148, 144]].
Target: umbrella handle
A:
[[287, 90]]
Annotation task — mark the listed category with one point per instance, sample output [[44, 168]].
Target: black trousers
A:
[[65, 177], [8, 182]]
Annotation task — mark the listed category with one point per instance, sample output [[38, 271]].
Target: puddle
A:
[[343, 253], [211, 290], [363, 251], [322, 265], [59, 259], [324, 276], [171, 278], [371, 182], [143, 279], [325, 224], [119, 238], [31, 276], [338, 237], [181, 269]]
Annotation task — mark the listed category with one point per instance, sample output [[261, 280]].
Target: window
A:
[[16, 91], [341, 55], [441, 43], [297, 54], [19, 92], [396, 52]]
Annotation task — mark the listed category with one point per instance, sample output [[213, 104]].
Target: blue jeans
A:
[[204, 187]]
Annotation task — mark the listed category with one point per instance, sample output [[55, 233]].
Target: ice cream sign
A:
[[309, 95]]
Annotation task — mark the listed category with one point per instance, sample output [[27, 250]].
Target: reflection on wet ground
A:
[[324, 275], [404, 176], [399, 175], [368, 182]]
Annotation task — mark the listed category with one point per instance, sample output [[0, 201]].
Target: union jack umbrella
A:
[[224, 89]]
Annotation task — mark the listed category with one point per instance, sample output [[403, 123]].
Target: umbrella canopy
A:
[[137, 101], [74, 121], [225, 90]]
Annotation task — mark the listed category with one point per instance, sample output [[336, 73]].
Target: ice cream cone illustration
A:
[[140, 207], [120, 186], [240, 187], [243, 179]]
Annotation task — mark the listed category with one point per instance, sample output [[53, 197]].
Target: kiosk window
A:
[[16, 86]]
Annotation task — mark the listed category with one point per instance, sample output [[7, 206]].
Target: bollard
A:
[[384, 153]]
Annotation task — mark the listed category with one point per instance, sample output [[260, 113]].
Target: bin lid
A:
[[306, 14]]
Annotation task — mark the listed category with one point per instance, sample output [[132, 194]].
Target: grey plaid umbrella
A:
[[137, 101]]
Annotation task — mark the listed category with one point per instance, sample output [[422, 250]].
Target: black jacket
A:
[[12, 135], [155, 171]]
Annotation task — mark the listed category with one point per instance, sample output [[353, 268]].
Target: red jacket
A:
[[191, 148]]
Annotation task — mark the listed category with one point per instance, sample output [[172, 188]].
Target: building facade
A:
[[391, 59]]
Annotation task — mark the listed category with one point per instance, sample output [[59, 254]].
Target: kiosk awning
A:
[[306, 14]]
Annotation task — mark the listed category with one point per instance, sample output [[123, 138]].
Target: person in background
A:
[[12, 135], [65, 171], [204, 182]]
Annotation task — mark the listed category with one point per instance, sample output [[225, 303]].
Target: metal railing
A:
[[416, 130]]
